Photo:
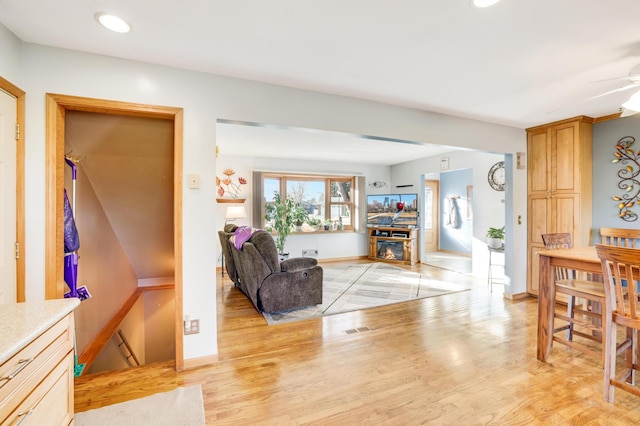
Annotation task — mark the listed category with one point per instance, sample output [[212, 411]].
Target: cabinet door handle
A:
[[23, 364], [25, 415]]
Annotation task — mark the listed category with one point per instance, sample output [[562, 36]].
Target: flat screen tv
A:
[[394, 210]]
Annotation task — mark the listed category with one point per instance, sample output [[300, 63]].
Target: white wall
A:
[[10, 51], [206, 98]]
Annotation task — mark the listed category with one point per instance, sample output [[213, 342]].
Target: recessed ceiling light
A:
[[484, 3], [113, 23]]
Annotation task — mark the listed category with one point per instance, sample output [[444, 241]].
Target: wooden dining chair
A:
[[620, 237], [621, 271], [587, 317]]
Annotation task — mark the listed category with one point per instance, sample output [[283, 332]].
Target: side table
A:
[[490, 277]]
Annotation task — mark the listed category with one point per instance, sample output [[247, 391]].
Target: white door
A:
[[8, 120]]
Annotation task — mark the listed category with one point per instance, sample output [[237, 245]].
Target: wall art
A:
[[629, 182]]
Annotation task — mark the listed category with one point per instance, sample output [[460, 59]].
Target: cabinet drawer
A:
[[50, 403], [20, 369]]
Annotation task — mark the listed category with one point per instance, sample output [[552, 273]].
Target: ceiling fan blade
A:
[[627, 78], [619, 89], [628, 112]]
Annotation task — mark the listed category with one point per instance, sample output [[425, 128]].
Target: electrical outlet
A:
[[310, 253], [192, 326]]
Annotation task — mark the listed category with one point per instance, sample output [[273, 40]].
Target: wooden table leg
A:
[[546, 302]]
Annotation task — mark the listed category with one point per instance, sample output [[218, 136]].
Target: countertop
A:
[[21, 323]]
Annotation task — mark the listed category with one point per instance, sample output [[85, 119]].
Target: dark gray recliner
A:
[[271, 285], [229, 264]]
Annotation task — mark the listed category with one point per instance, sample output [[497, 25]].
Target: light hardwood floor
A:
[[461, 359]]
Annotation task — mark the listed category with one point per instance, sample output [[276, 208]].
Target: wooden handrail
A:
[[89, 355]]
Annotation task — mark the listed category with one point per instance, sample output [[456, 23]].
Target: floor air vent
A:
[[357, 330]]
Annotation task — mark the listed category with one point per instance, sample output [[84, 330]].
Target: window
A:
[[326, 199]]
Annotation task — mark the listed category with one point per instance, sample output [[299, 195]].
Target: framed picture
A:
[[444, 163], [469, 199]]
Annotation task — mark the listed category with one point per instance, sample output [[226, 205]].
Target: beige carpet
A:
[[179, 407], [366, 285]]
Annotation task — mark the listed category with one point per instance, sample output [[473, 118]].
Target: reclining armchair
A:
[[271, 285]]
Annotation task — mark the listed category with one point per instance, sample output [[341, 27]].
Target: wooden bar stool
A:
[[621, 270], [587, 318]]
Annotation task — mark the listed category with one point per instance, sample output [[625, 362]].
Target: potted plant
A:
[[299, 215], [314, 223], [281, 216], [495, 237]]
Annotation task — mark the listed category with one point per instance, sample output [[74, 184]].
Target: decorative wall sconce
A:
[[521, 160], [628, 175]]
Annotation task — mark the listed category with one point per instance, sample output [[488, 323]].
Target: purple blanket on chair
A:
[[241, 235]]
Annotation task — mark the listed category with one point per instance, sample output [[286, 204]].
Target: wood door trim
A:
[[20, 179], [56, 107]]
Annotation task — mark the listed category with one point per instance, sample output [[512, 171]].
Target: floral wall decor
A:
[[629, 182], [229, 186]]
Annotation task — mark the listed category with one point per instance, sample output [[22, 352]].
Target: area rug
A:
[[368, 285], [179, 407]]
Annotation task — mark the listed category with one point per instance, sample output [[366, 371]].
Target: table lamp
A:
[[234, 212]]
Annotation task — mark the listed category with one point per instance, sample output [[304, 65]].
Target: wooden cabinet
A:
[[395, 245], [559, 185], [36, 384]]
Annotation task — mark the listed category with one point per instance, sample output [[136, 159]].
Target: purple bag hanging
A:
[[71, 238]]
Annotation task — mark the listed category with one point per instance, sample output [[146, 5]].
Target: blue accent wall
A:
[[454, 184], [605, 173]]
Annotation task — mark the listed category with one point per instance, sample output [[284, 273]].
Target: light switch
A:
[[194, 181]]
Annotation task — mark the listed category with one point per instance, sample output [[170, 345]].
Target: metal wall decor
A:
[[629, 181], [377, 184]]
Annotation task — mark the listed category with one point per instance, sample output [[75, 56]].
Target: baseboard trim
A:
[[517, 296], [341, 259], [192, 363], [455, 253]]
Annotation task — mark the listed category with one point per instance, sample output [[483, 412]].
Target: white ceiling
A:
[[520, 63], [247, 139]]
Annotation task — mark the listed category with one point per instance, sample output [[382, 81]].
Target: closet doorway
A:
[[57, 108], [12, 232]]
